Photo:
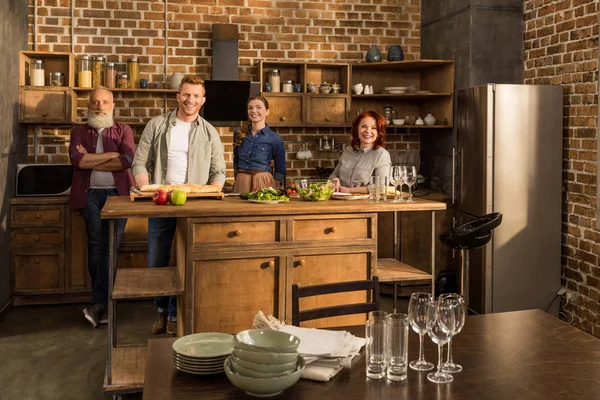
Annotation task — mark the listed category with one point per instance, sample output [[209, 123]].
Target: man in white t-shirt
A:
[[175, 148]]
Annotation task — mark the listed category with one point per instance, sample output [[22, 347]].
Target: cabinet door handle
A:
[[36, 238], [44, 115], [327, 119], [38, 216], [237, 233], [269, 264], [300, 263], [330, 230], [36, 261], [282, 118]]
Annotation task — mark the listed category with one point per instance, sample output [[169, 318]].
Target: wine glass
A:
[[410, 178], [396, 179], [418, 307], [457, 301], [441, 319]]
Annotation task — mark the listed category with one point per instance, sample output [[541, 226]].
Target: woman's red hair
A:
[[379, 120]]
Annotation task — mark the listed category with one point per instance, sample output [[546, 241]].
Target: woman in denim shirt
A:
[[255, 145]]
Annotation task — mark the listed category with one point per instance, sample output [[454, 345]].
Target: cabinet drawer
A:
[[25, 216], [317, 229], [37, 273], [133, 259], [327, 110], [238, 232], [46, 105], [285, 110], [38, 238]]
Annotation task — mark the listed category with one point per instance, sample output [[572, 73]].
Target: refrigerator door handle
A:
[[453, 175], [453, 226]]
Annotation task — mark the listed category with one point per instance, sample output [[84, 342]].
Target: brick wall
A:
[[326, 30], [561, 47]]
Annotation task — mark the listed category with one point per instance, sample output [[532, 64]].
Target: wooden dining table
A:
[[514, 355]]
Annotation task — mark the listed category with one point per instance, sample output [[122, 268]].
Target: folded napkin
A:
[[326, 352]]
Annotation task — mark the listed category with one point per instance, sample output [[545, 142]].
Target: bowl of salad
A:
[[314, 189]]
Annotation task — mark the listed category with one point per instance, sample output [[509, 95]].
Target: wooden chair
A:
[[334, 311]]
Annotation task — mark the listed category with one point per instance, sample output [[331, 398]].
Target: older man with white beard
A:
[[101, 153]]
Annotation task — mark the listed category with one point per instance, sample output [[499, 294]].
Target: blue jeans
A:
[[160, 237], [97, 242]]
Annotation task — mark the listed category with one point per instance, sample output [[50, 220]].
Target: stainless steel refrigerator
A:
[[509, 160]]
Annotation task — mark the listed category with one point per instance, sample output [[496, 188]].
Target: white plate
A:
[[348, 196], [395, 88], [266, 201], [396, 91]]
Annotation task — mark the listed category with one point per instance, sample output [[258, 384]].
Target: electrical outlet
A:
[[571, 295]]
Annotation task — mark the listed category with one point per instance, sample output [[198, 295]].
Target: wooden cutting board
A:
[[148, 195]]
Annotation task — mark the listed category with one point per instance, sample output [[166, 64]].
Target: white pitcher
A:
[[358, 88]]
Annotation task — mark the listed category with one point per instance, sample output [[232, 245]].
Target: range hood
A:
[[226, 95]]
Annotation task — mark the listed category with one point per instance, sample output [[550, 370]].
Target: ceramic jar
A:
[[175, 80], [336, 88], [373, 54], [395, 53], [429, 119], [325, 88], [419, 121], [312, 87]]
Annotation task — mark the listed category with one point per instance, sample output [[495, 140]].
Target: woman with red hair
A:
[[365, 157]]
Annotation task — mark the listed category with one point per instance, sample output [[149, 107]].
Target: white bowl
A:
[[263, 387], [398, 121]]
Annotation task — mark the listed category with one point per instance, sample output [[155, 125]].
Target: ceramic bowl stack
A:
[[202, 353], [264, 362]]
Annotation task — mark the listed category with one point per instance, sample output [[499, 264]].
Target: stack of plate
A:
[[202, 353]]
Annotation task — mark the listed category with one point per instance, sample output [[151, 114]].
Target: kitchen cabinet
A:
[[302, 108], [48, 250], [432, 80]]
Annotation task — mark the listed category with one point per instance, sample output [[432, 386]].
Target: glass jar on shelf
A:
[[98, 71], [287, 87], [36, 74], [275, 80], [133, 70], [123, 81], [84, 72], [56, 79], [110, 75]]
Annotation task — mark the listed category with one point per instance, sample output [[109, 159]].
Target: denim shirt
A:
[[256, 153]]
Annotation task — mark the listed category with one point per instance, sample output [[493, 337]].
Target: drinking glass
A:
[[440, 323], [418, 307], [410, 178], [375, 333], [384, 182], [396, 346], [374, 189], [457, 301], [396, 179]]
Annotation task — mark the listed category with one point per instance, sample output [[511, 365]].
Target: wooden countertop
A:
[[122, 207]]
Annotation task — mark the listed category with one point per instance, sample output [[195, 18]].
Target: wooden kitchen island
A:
[[234, 258]]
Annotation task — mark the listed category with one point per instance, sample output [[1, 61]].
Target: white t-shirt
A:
[[101, 179], [177, 160]]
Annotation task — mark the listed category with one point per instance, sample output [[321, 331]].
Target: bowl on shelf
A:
[[314, 189], [264, 387], [258, 370], [398, 121], [266, 340]]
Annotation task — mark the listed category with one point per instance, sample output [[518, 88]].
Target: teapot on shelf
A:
[[304, 153]]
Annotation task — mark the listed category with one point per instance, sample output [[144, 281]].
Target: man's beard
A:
[[99, 120]]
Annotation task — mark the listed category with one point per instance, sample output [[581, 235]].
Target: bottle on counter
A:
[[84, 72], [275, 81], [110, 75], [133, 70], [98, 71], [36, 74]]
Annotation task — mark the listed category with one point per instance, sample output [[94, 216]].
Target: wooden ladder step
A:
[[128, 370], [390, 270], [137, 283]]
